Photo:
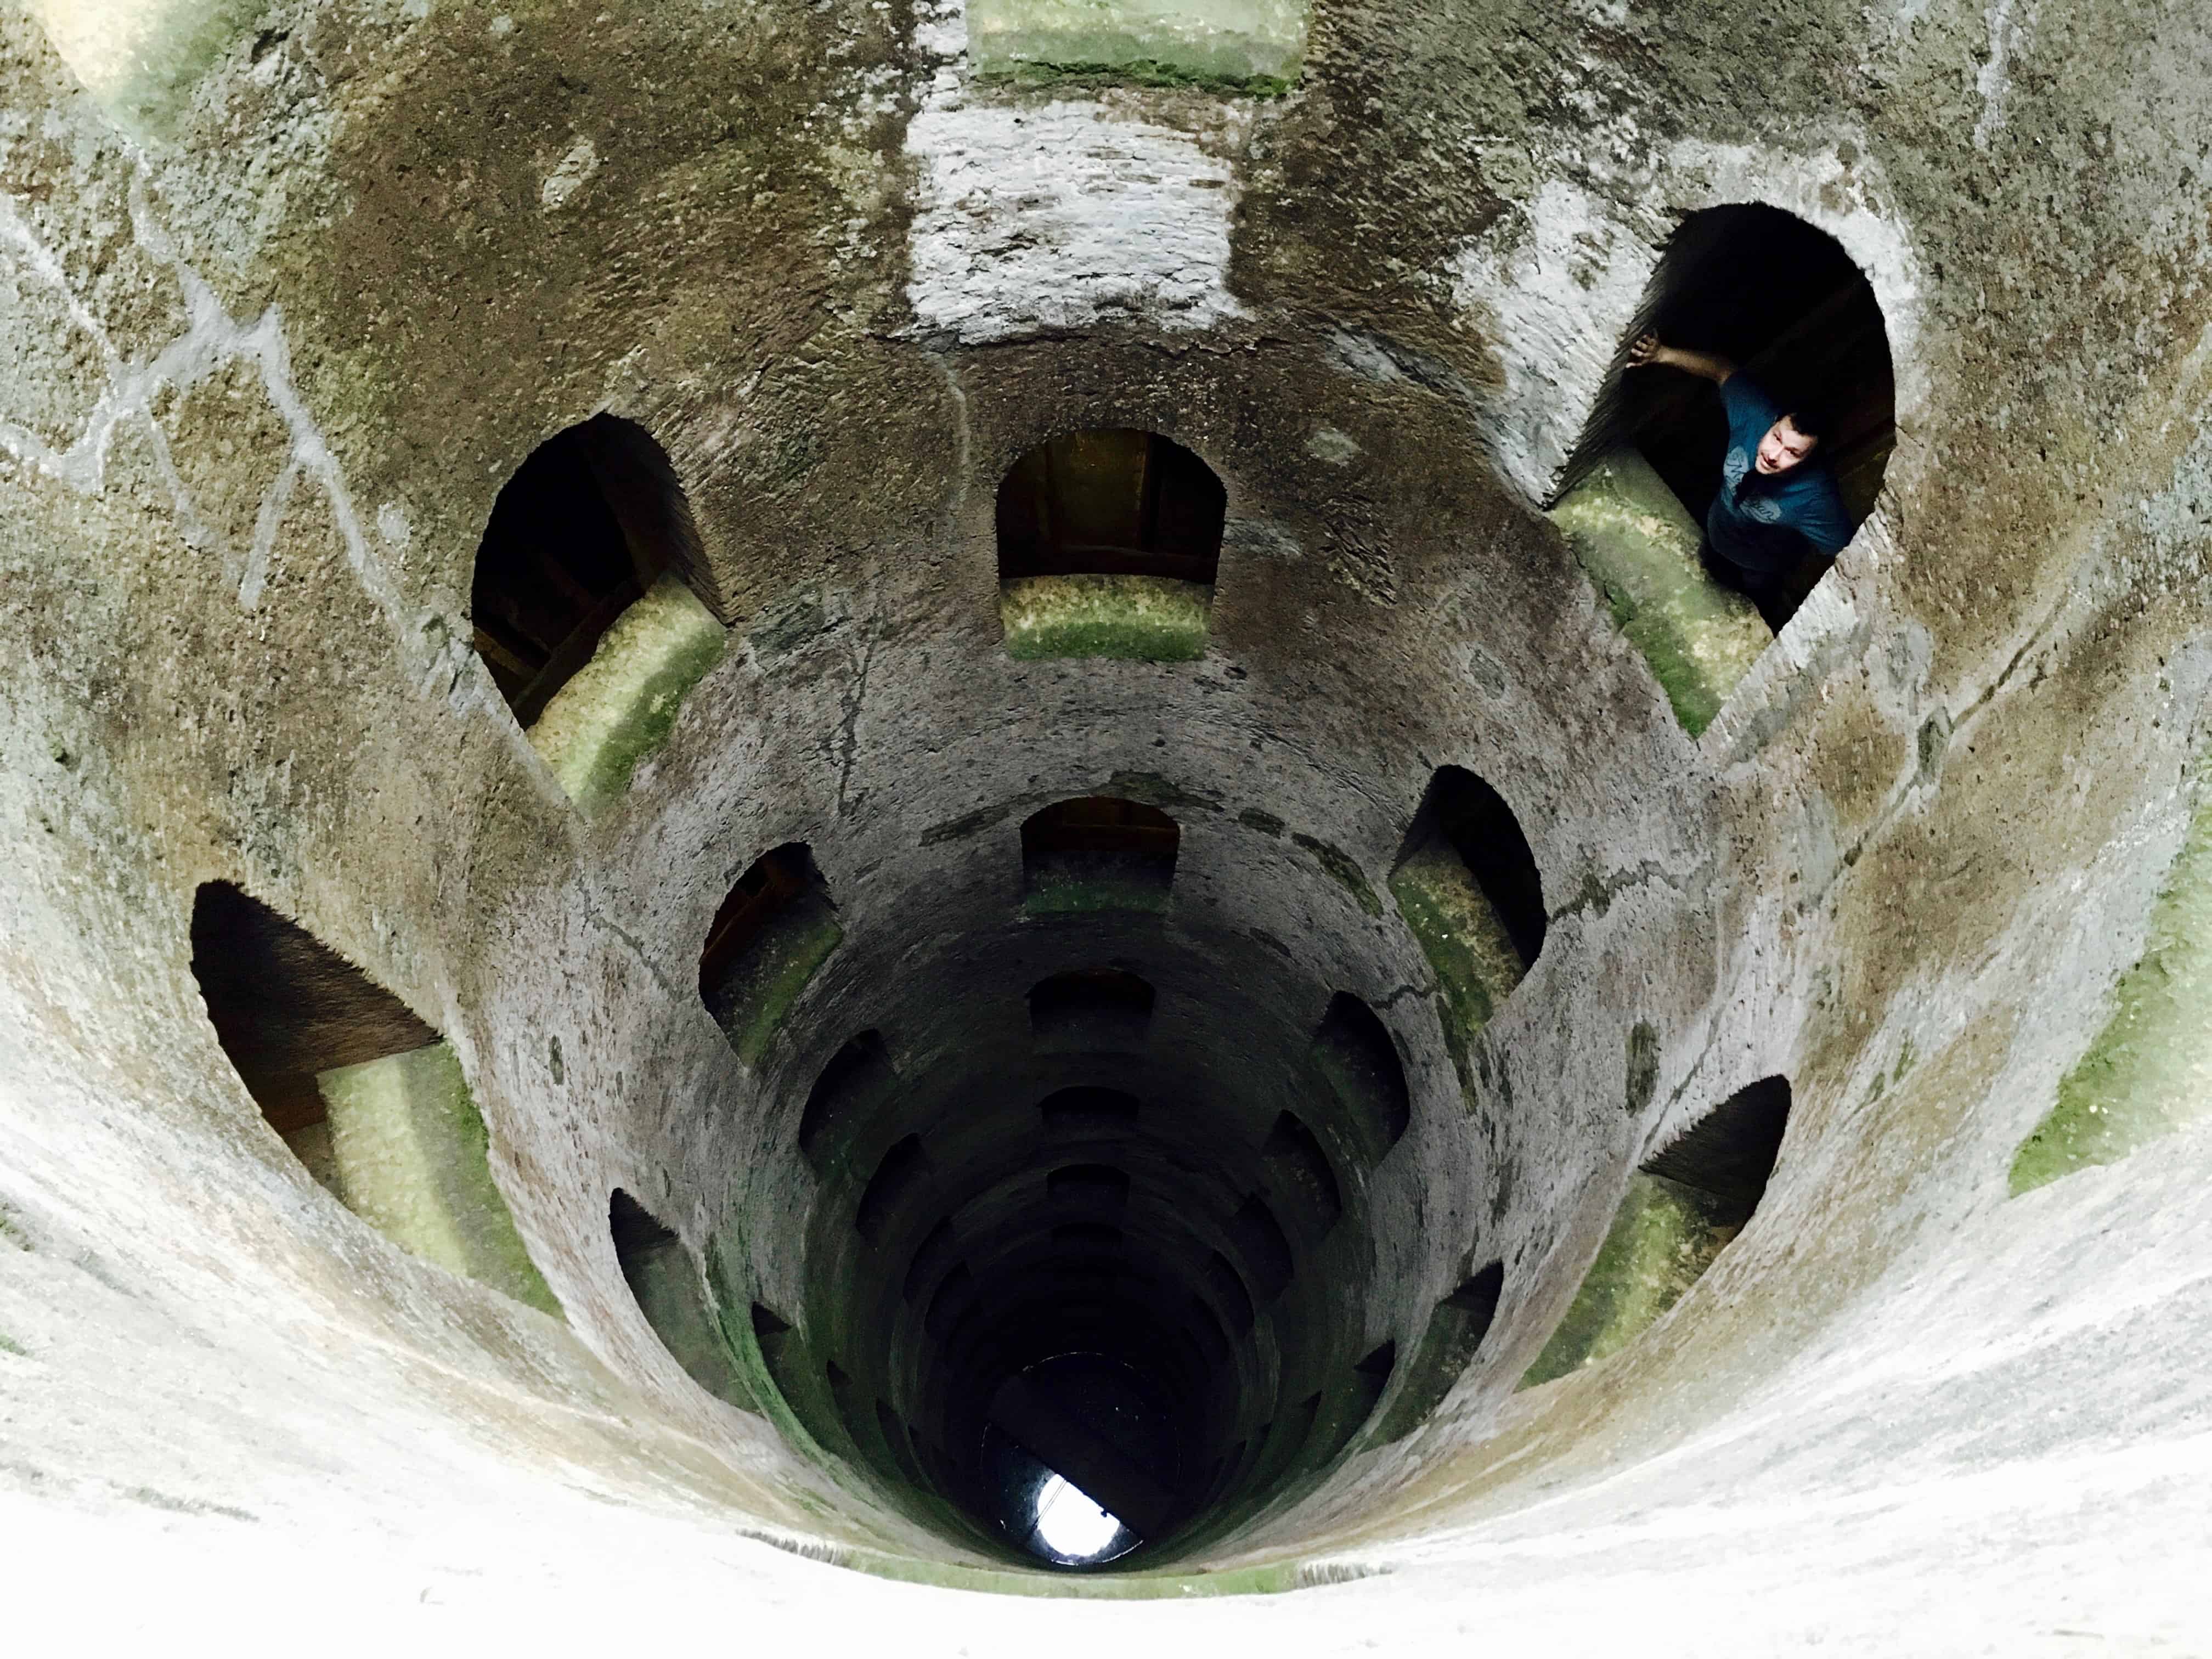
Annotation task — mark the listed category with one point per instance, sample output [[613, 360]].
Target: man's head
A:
[[1790, 440]]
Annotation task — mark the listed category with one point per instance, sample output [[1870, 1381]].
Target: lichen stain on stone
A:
[[1344, 870]]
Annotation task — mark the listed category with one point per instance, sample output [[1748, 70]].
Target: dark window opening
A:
[[1355, 1054], [1084, 1111], [590, 521], [1355, 1403], [1447, 1347], [930, 1257], [1300, 1173], [955, 1292], [1096, 1186], [1464, 814], [902, 1171], [1786, 302], [1113, 502], [857, 1078], [1098, 853], [1230, 1299], [285, 1007], [1727, 1157], [1090, 1010], [776, 928], [1258, 1237], [670, 1293]]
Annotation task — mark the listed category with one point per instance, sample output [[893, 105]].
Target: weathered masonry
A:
[[833, 822]]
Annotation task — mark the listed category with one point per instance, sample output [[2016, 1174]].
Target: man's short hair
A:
[[1812, 418]]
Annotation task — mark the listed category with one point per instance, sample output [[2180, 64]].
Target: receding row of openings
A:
[[591, 560], [364, 1094], [1109, 545], [1683, 1207], [1752, 288]]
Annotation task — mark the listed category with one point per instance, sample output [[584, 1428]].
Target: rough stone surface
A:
[[264, 374]]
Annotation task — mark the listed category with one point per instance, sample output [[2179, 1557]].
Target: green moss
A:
[[1343, 869], [412, 1159], [1252, 47], [1476, 966], [2149, 1071], [621, 706], [1637, 543], [1081, 884], [1663, 1240], [9, 1344], [1129, 618]]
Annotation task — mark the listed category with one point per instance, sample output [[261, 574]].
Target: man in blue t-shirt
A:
[[1774, 502]]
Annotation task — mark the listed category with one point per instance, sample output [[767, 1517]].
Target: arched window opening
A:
[[902, 1172], [931, 1258], [1298, 1172], [1226, 1285], [1259, 1239], [364, 1094], [1097, 853], [1090, 1010], [670, 1291], [1100, 1189], [1682, 1208], [857, 1079], [1356, 1057], [1085, 1111], [1467, 886], [1776, 313], [776, 928], [1354, 1402], [1447, 1347], [1108, 543], [591, 561]]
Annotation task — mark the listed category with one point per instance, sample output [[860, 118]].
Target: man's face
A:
[[1782, 447]]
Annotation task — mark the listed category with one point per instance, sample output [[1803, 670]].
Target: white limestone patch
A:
[[569, 175], [1558, 285], [1041, 219]]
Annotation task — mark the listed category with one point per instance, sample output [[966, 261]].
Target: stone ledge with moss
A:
[[621, 706], [1458, 930], [409, 1154], [1663, 1237], [1231, 45], [1132, 618], [751, 1004], [2149, 1072], [1640, 546]]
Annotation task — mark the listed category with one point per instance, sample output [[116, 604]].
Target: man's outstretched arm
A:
[[1705, 365]]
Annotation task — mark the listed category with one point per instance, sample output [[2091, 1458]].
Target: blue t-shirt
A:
[[1763, 523]]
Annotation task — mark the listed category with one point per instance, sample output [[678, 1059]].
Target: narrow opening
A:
[[1098, 1187], [286, 1007], [1728, 1157], [773, 930], [1090, 1010], [586, 524], [1230, 1299], [1682, 1209], [931, 1258], [1097, 853], [1110, 502], [903, 1170], [1455, 1333], [855, 1081], [671, 1294], [1355, 1054], [1108, 543], [1300, 1174], [1258, 1237], [1760, 291], [1088, 1112]]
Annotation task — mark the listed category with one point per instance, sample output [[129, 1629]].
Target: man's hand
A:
[[1650, 351]]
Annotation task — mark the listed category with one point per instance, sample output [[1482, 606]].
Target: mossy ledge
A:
[[1128, 618]]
